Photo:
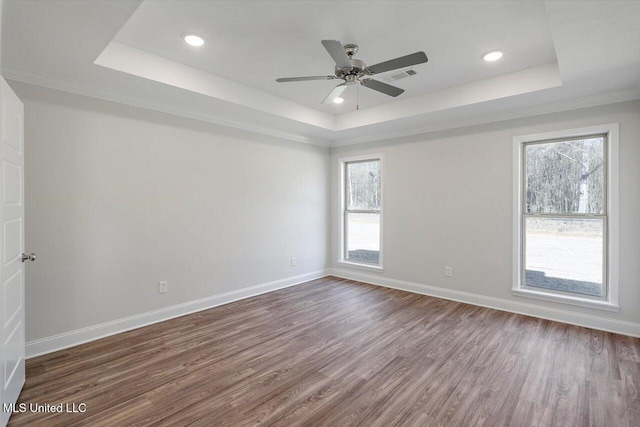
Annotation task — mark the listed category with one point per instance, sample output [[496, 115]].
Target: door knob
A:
[[31, 257]]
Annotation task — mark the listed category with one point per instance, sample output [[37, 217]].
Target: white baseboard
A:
[[79, 336], [565, 316]]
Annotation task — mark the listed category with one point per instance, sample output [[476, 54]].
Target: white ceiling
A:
[[558, 55], [254, 42]]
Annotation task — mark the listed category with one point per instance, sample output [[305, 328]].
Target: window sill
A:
[[368, 267], [581, 302]]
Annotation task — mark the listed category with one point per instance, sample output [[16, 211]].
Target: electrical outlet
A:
[[293, 261], [162, 287], [448, 272]]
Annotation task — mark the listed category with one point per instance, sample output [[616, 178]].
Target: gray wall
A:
[[119, 198], [448, 201]]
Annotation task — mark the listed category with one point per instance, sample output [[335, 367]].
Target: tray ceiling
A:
[[557, 55]]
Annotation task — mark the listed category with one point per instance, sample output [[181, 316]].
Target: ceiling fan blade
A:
[[336, 50], [401, 62], [304, 79], [335, 93], [382, 87]]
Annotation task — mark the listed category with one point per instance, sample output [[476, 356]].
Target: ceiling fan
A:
[[355, 71]]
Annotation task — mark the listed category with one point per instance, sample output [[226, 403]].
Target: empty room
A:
[[319, 213]]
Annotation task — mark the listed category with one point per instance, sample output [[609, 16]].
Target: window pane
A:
[[565, 254], [566, 177], [363, 185], [363, 237]]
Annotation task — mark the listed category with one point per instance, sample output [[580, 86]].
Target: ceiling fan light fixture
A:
[[193, 40], [338, 100], [494, 55]]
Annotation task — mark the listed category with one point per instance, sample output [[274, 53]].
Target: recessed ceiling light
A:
[[494, 55], [338, 100], [193, 40]]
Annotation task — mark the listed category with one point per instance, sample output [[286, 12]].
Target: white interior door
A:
[[12, 370]]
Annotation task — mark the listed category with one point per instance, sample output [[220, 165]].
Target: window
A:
[[564, 216], [362, 211]]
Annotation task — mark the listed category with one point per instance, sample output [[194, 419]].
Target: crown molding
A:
[[94, 91], [605, 98], [56, 83], [136, 62]]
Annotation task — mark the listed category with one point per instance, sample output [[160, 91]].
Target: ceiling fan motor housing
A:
[[359, 69], [350, 79]]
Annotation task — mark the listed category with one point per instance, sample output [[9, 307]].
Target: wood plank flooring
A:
[[336, 352]]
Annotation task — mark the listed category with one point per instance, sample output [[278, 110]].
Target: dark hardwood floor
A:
[[336, 352]]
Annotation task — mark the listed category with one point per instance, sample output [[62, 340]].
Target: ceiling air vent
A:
[[399, 76]]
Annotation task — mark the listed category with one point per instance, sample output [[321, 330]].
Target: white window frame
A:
[[343, 261], [610, 301]]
